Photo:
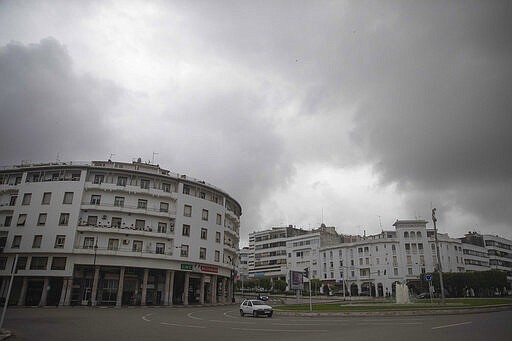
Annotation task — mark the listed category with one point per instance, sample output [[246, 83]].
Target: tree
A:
[[280, 285], [265, 283], [315, 285]]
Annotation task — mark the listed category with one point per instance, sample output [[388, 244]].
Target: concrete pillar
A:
[[65, 294], [23, 292], [166, 286], [119, 298], [213, 286], [171, 288], [44, 294], [185, 288], [201, 290], [224, 299], [94, 290], [144, 287]]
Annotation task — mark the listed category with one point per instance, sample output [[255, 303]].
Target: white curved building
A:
[[113, 233]]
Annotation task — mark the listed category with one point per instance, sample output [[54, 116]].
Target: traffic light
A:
[[306, 273]]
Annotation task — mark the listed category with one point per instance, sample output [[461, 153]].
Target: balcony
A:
[[125, 230], [125, 251], [111, 187], [232, 215], [232, 231], [132, 209], [9, 188]]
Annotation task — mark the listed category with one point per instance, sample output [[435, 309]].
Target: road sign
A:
[[428, 277]]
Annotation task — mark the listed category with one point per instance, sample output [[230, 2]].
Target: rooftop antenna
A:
[[380, 223], [322, 215], [110, 157], [153, 162], [57, 158]]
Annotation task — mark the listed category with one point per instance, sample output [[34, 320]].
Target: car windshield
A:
[[258, 303]]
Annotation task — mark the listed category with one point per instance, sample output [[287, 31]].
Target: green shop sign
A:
[[186, 267]]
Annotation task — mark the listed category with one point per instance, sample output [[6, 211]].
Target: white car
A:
[[255, 308]]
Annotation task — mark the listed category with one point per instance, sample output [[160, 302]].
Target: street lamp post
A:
[[438, 252]]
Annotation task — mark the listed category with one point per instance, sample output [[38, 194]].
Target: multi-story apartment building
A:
[[375, 264], [115, 233]]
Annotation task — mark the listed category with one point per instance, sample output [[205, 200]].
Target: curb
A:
[[423, 312]]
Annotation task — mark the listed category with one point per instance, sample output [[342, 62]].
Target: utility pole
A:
[[13, 272], [439, 264]]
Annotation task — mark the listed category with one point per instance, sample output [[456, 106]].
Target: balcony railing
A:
[[130, 209]]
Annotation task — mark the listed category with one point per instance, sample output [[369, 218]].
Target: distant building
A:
[[113, 233], [373, 265]]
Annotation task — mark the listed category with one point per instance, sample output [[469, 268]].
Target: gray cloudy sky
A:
[[359, 109]]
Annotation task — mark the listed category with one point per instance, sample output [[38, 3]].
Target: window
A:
[[187, 211], [8, 220], [121, 180], [89, 243], [12, 201], [42, 219], [217, 256], [219, 219], [113, 244], [186, 230], [64, 219], [166, 187], [95, 199], [68, 198], [395, 271], [119, 201], [116, 222], [186, 190], [36, 243], [205, 215], [204, 233], [217, 237], [409, 271], [139, 224], [202, 195], [137, 246], [22, 263], [184, 251], [142, 203], [27, 197], [38, 263], [59, 263], [160, 248], [162, 227], [47, 196], [21, 220], [164, 207], [92, 220], [98, 179], [202, 253], [144, 183], [3, 263], [59, 241]]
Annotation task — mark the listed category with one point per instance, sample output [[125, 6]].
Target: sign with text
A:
[[208, 268], [186, 267], [296, 280]]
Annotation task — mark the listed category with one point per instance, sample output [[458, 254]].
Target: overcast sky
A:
[[355, 113]]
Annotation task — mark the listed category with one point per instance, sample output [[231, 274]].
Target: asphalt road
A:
[[225, 323]]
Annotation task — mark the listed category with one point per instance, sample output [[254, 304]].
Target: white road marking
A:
[[283, 330], [238, 322], [181, 325], [193, 317], [452, 325], [296, 324], [228, 315], [145, 317]]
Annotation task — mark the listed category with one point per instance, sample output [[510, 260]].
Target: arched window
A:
[[413, 234], [418, 234], [406, 234]]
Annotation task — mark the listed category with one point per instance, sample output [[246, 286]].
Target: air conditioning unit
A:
[[126, 241], [104, 217]]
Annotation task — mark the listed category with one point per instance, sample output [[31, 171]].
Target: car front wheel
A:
[[254, 314], [241, 312], [270, 314]]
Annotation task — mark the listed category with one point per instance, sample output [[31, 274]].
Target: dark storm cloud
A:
[[440, 121], [46, 109]]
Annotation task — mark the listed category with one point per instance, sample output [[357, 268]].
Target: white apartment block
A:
[[113, 233], [374, 264]]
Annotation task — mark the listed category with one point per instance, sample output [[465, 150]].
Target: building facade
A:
[[373, 265], [113, 233]]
